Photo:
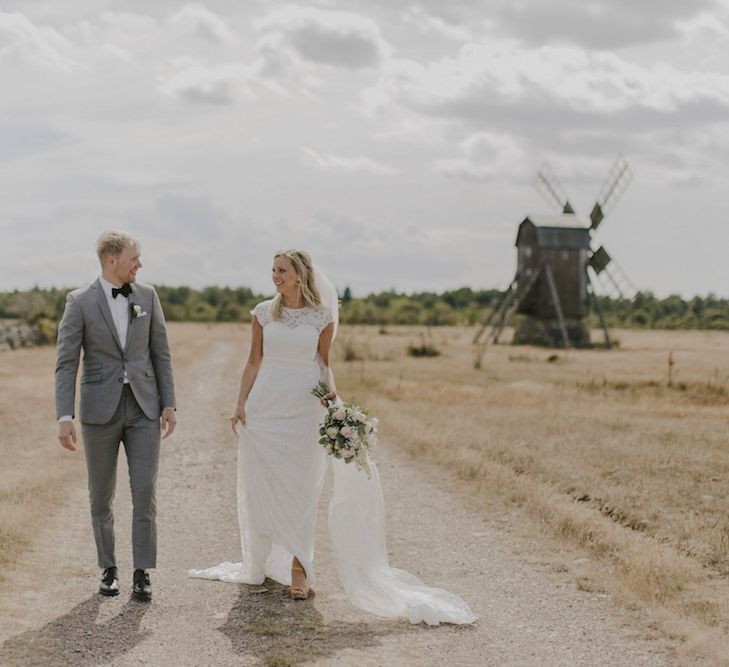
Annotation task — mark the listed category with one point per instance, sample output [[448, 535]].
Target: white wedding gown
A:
[[281, 469]]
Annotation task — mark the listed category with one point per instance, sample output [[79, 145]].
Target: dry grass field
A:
[[35, 470], [618, 454], [624, 453], [33, 473]]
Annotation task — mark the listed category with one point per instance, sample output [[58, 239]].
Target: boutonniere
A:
[[137, 311]]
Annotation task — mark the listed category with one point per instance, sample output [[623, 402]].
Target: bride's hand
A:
[[238, 416], [331, 396]]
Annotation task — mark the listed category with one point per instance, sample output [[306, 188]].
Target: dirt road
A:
[[529, 614]]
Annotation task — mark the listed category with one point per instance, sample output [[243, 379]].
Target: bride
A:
[[281, 466]]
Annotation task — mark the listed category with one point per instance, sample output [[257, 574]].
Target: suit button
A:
[[126, 361], [121, 379]]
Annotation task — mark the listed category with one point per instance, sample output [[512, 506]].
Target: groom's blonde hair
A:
[[113, 242], [304, 268]]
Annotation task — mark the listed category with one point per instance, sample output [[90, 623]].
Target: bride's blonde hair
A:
[[304, 269]]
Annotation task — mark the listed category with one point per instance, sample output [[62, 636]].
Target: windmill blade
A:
[[599, 260], [551, 189], [610, 276], [619, 178]]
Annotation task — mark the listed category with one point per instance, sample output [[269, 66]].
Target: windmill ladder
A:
[[511, 304], [496, 312]]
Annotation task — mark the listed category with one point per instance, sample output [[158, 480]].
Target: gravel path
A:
[[529, 615]]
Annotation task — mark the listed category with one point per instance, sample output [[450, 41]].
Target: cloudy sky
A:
[[398, 142]]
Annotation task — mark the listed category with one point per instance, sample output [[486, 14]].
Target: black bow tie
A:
[[125, 290]]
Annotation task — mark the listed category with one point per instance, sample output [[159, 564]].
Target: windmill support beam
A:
[[556, 303], [513, 305], [500, 316], [600, 315], [496, 312]]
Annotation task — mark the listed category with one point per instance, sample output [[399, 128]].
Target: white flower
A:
[[347, 431], [137, 310], [347, 454], [339, 415], [332, 432]]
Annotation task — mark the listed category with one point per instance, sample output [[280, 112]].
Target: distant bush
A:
[[351, 351], [462, 307], [423, 350]]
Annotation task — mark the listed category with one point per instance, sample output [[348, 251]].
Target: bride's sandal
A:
[[299, 592]]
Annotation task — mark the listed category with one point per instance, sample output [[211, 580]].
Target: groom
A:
[[127, 395]]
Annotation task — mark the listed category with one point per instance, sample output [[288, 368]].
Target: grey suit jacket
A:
[[87, 323]]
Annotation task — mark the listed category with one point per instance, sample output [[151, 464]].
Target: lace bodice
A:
[[293, 317], [296, 335]]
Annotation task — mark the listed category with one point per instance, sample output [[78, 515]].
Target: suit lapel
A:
[[104, 306], [133, 299]]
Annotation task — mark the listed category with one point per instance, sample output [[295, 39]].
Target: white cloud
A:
[[502, 80], [127, 37], [220, 84], [598, 23], [707, 25], [593, 23], [276, 61], [348, 164], [324, 37], [41, 45], [486, 156], [201, 21], [188, 79], [295, 46], [429, 24], [118, 52]]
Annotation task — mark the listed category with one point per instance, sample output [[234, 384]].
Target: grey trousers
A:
[[141, 438]]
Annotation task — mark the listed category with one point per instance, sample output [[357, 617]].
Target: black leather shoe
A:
[[109, 582], [142, 589]]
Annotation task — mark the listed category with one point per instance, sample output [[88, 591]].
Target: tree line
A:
[[464, 306]]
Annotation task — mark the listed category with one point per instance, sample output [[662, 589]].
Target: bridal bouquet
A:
[[347, 430]]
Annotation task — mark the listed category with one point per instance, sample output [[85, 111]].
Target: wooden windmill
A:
[[553, 286]]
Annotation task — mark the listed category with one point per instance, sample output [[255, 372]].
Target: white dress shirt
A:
[[119, 308]]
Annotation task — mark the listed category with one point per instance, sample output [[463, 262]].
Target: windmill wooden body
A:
[[557, 268]]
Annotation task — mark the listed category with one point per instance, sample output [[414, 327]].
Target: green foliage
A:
[[462, 307], [673, 312], [211, 304]]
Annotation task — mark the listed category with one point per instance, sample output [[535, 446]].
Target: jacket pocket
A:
[[92, 366], [149, 373], [89, 378]]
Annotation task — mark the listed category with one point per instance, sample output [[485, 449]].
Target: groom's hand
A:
[[167, 422], [67, 435]]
